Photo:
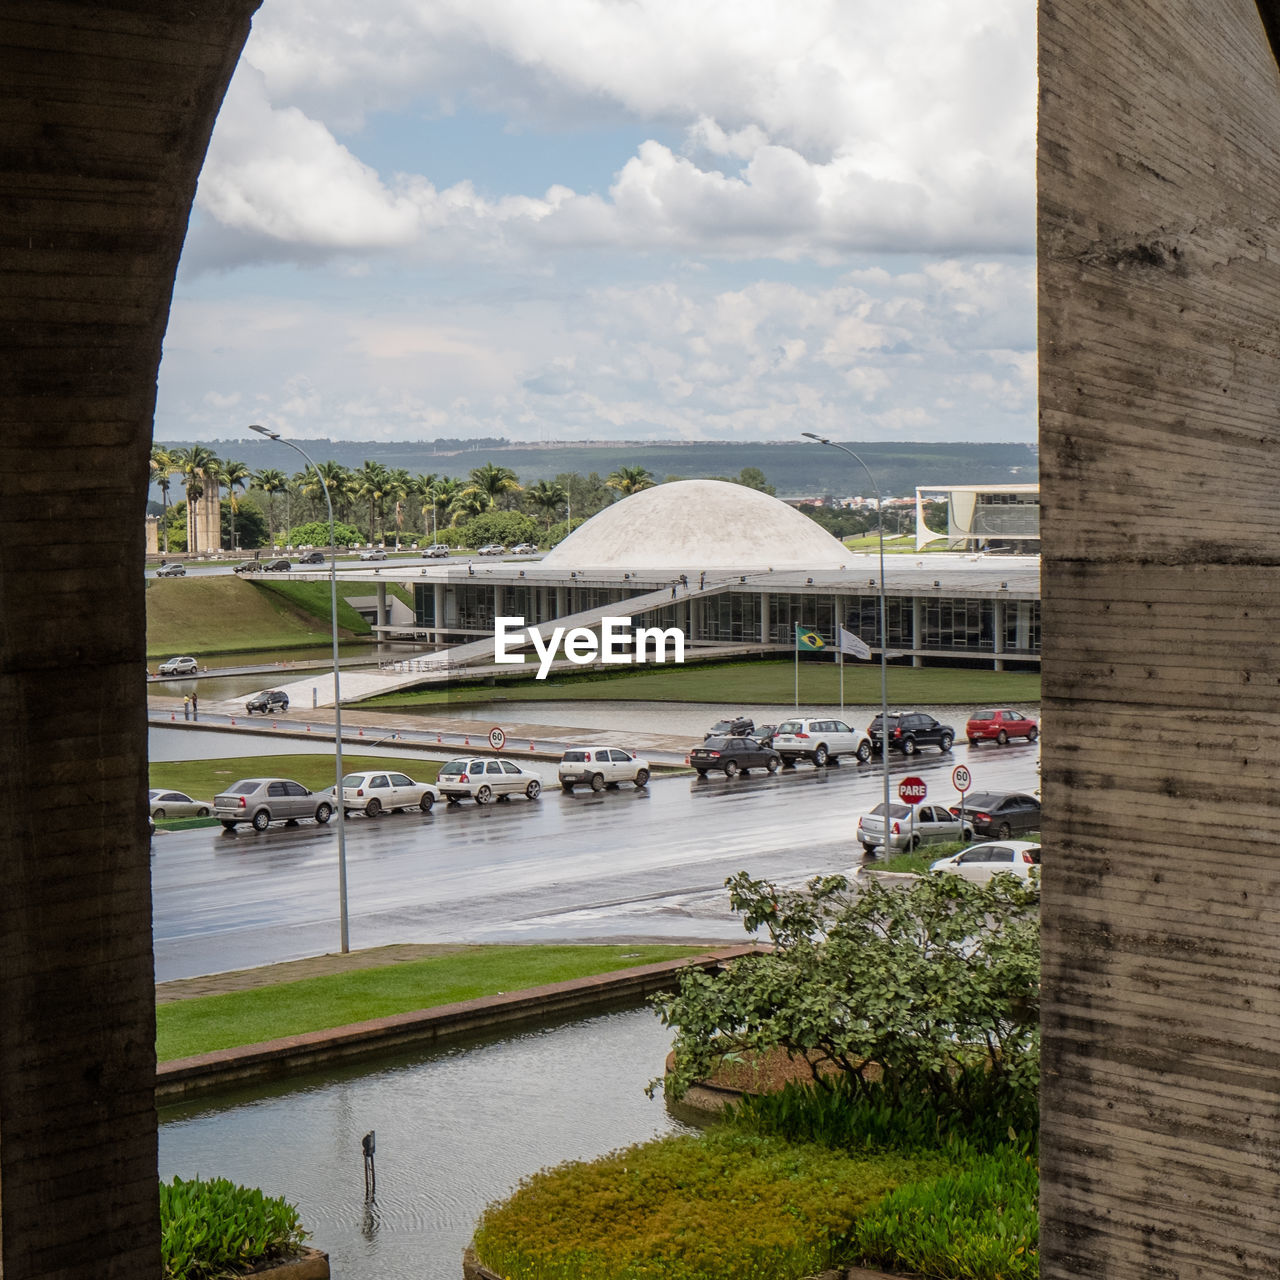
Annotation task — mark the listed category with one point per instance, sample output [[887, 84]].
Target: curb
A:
[[184, 1078]]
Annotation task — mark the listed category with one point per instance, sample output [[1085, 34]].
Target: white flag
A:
[[849, 643]]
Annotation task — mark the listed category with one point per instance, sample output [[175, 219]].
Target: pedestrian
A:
[[195, 706], [673, 590], [702, 580], [186, 708], [684, 581]]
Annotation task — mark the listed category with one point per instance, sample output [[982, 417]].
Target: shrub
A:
[[723, 1206], [215, 1228], [316, 534], [506, 527], [979, 1223]]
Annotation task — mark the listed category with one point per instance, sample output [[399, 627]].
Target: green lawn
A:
[[203, 779], [207, 1023], [747, 683]]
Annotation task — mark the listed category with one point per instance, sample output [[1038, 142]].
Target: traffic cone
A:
[[686, 759], [362, 734], [308, 728], [172, 716], [439, 739], [532, 747], [233, 722], [466, 741]]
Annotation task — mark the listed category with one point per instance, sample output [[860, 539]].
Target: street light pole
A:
[[339, 810], [884, 631]]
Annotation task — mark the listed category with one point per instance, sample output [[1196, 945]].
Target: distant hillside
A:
[[794, 468]]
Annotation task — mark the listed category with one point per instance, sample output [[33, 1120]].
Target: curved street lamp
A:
[[884, 630], [339, 811]]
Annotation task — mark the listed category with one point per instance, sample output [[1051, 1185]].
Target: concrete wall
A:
[[107, 109], [1159, 199]]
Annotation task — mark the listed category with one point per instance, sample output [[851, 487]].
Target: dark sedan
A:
[[734, 726], [1000, 814], [733, 756], [277, 566]]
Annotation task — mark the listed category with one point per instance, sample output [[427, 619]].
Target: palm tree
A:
[[629, 480], [235, 475], [164, 464], [271, 481], [371, 483], [471, 502], [493, 482], [547, 496], [399, 485], [447, 492], [422, 487]]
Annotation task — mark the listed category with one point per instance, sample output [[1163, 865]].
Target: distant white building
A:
[[983, 517]]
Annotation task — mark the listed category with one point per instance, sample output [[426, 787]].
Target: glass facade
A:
[[862, 617], [475, 606], [424, 604], [733, 616], [813, 613], [1022, 626], [958, 624]]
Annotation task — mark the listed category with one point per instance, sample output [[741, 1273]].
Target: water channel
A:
[[456, 1129]]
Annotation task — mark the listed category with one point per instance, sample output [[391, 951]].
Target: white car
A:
[[176, 804], [437, 551], [485, 779], [600, 767], [178, 667], [524, 549], [376, 553], [982, 861], [930, 824], [820, 740], [383, 791], [492, 549]]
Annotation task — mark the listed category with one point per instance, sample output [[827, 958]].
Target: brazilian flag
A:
[[806, 639]]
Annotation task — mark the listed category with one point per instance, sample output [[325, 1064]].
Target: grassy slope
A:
[[205, 778], [206, 1023], [225, 614], [748, 683]]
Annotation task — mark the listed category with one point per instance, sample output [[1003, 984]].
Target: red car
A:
[[1000, 724]]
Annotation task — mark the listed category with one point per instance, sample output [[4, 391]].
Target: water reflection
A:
[[455, 1130]]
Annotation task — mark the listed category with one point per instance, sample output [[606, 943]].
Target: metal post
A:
[[884, 630], [339, 811]]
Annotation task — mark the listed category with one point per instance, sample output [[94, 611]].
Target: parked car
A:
[[176, 804], [486, 779], [247, 566], [173, 570], [277, 566], [492, 549], [600, 767], [384, 791], [929, 824], [911, 730], [437, 551], [524, 549], [999, 724], [178, 667], [819, 740], [734, 755], [981, 862], [1000, 814], [734, 726], [262, 801], [268, 701], [374, 553], [312, 557], [763, 734]]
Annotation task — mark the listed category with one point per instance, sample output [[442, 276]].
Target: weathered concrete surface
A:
[[1159, 202], [107, 110]]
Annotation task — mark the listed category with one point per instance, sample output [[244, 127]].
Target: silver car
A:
[[600, 767], [486, 779], [176, 804], [178, 667], [930, 824], [384, 791], [821, 740], [262, 801]]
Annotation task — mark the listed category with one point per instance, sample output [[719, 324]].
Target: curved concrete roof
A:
[[695, 525]]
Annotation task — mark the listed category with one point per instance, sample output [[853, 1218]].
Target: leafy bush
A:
[[506, 527], [929, 990], [215, 1228], [979, 1223], [722, 1206], [316, 534]]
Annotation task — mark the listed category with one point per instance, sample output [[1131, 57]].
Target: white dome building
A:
[[695, 525]]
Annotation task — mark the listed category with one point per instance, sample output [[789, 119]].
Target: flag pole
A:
[[795, 644], [840, 660]]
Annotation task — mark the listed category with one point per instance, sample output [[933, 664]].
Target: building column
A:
[[917, 626], [998, 636], [439, 592], [383, 613], [764, 617]]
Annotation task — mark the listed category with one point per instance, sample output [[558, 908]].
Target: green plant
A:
[[930, 990], [316, 534], [214, 1228], [978, 1223], [726, 1205]]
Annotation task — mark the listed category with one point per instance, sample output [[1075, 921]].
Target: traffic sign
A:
[[960, 779], [497, 738], [912, 790]]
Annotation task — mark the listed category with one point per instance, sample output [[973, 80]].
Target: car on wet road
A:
[[259, 802], [380, 791], [268, 702], [484, 780], [983, 861], [173, 570], [732, 756], [821, 741], [999, 724], [176, 804], [185, 666], [600, 767], [929, 824], [1000, 814]]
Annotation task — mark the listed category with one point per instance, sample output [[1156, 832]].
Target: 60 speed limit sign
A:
[[497, 738], [960, 779]]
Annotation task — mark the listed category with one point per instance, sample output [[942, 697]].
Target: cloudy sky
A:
[[616, 219]]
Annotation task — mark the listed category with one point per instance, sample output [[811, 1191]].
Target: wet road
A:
[[616, 865]]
